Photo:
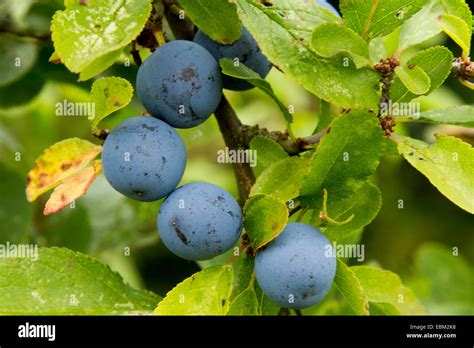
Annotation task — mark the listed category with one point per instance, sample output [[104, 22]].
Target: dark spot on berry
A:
[[148, 127], [188, 73], [180, 234]]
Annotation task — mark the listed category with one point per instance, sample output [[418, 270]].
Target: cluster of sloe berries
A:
[[180, 85]]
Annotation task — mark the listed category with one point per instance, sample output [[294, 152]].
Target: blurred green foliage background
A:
[[416, 242]]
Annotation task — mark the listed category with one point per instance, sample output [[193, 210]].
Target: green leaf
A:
[[459, 8], [266, 306], [244, 279], [459, 115], [344, 159], [27, 88], [364, 205], [448, 164], [414, 78], [324, 117], [372, 18], [17, 57], [15, 10], [60, 281], [350, 288], [422, 26], [274, 180], [436, 62], [283, 32], [457, 30], [265, 218], [381, 286], [382, 308], [84, 34], [246, 303], [100, 64], [217, 19], [268, 152], [15, 213], [204, 293], [300, 16], [243, 273], [109, 94], [443, 267], [58, 162], [82, 238], [330, 39], [244, 73]]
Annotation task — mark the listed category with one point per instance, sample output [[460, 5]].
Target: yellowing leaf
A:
[[457, 30], [57, 163], [72, 188], [109, 94]]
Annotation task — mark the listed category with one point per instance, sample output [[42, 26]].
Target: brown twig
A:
[[283, 139], [386, 68], [135, 54], [230, 127], [182, 28]]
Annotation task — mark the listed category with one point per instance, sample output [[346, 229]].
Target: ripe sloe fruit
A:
[[293, 270], [144, 158], [180, 83], [199, 221], [245, 49]]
